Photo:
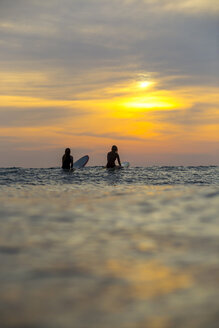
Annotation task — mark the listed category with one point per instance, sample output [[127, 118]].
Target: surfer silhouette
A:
[[67, 160], [112, 156]]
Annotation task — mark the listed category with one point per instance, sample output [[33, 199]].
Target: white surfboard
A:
[[81, 162], [125, 164]]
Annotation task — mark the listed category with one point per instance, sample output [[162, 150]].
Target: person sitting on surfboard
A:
[[67, 160], [112, 156]]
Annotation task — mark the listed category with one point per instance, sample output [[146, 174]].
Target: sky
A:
[[87, 74]]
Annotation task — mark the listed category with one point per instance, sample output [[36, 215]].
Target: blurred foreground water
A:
[[134, 248]]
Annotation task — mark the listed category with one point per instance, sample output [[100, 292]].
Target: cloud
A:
[[200, 114], [37, 116], [190, 7], [88, 53], [115, 136], [87, 35]]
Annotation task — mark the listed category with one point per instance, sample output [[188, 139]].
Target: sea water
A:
[[95, 248]]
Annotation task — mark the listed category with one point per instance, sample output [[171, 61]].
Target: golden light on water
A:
[[148, 280]]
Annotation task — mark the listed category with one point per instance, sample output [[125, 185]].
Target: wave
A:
[[155, 175]]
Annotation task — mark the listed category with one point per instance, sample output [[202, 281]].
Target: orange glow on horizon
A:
[[129, 114]]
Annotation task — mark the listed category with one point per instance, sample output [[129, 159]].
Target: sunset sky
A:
[[87, 74]]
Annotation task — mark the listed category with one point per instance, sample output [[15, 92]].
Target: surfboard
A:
[[81, 162], [125, 164]]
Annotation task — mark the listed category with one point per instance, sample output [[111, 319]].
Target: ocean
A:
[[94, 248]]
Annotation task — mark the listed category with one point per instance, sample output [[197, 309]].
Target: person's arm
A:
[[63, 160], [108, 157], [118, 160], [71, 164]]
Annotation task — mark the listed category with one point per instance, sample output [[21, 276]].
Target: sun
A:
[[144, 84]]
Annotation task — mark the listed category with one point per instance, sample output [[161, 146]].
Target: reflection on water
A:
[[149, 279], [124, 256]]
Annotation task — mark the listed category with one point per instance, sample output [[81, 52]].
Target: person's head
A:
[[114, 148], [67, 151]]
